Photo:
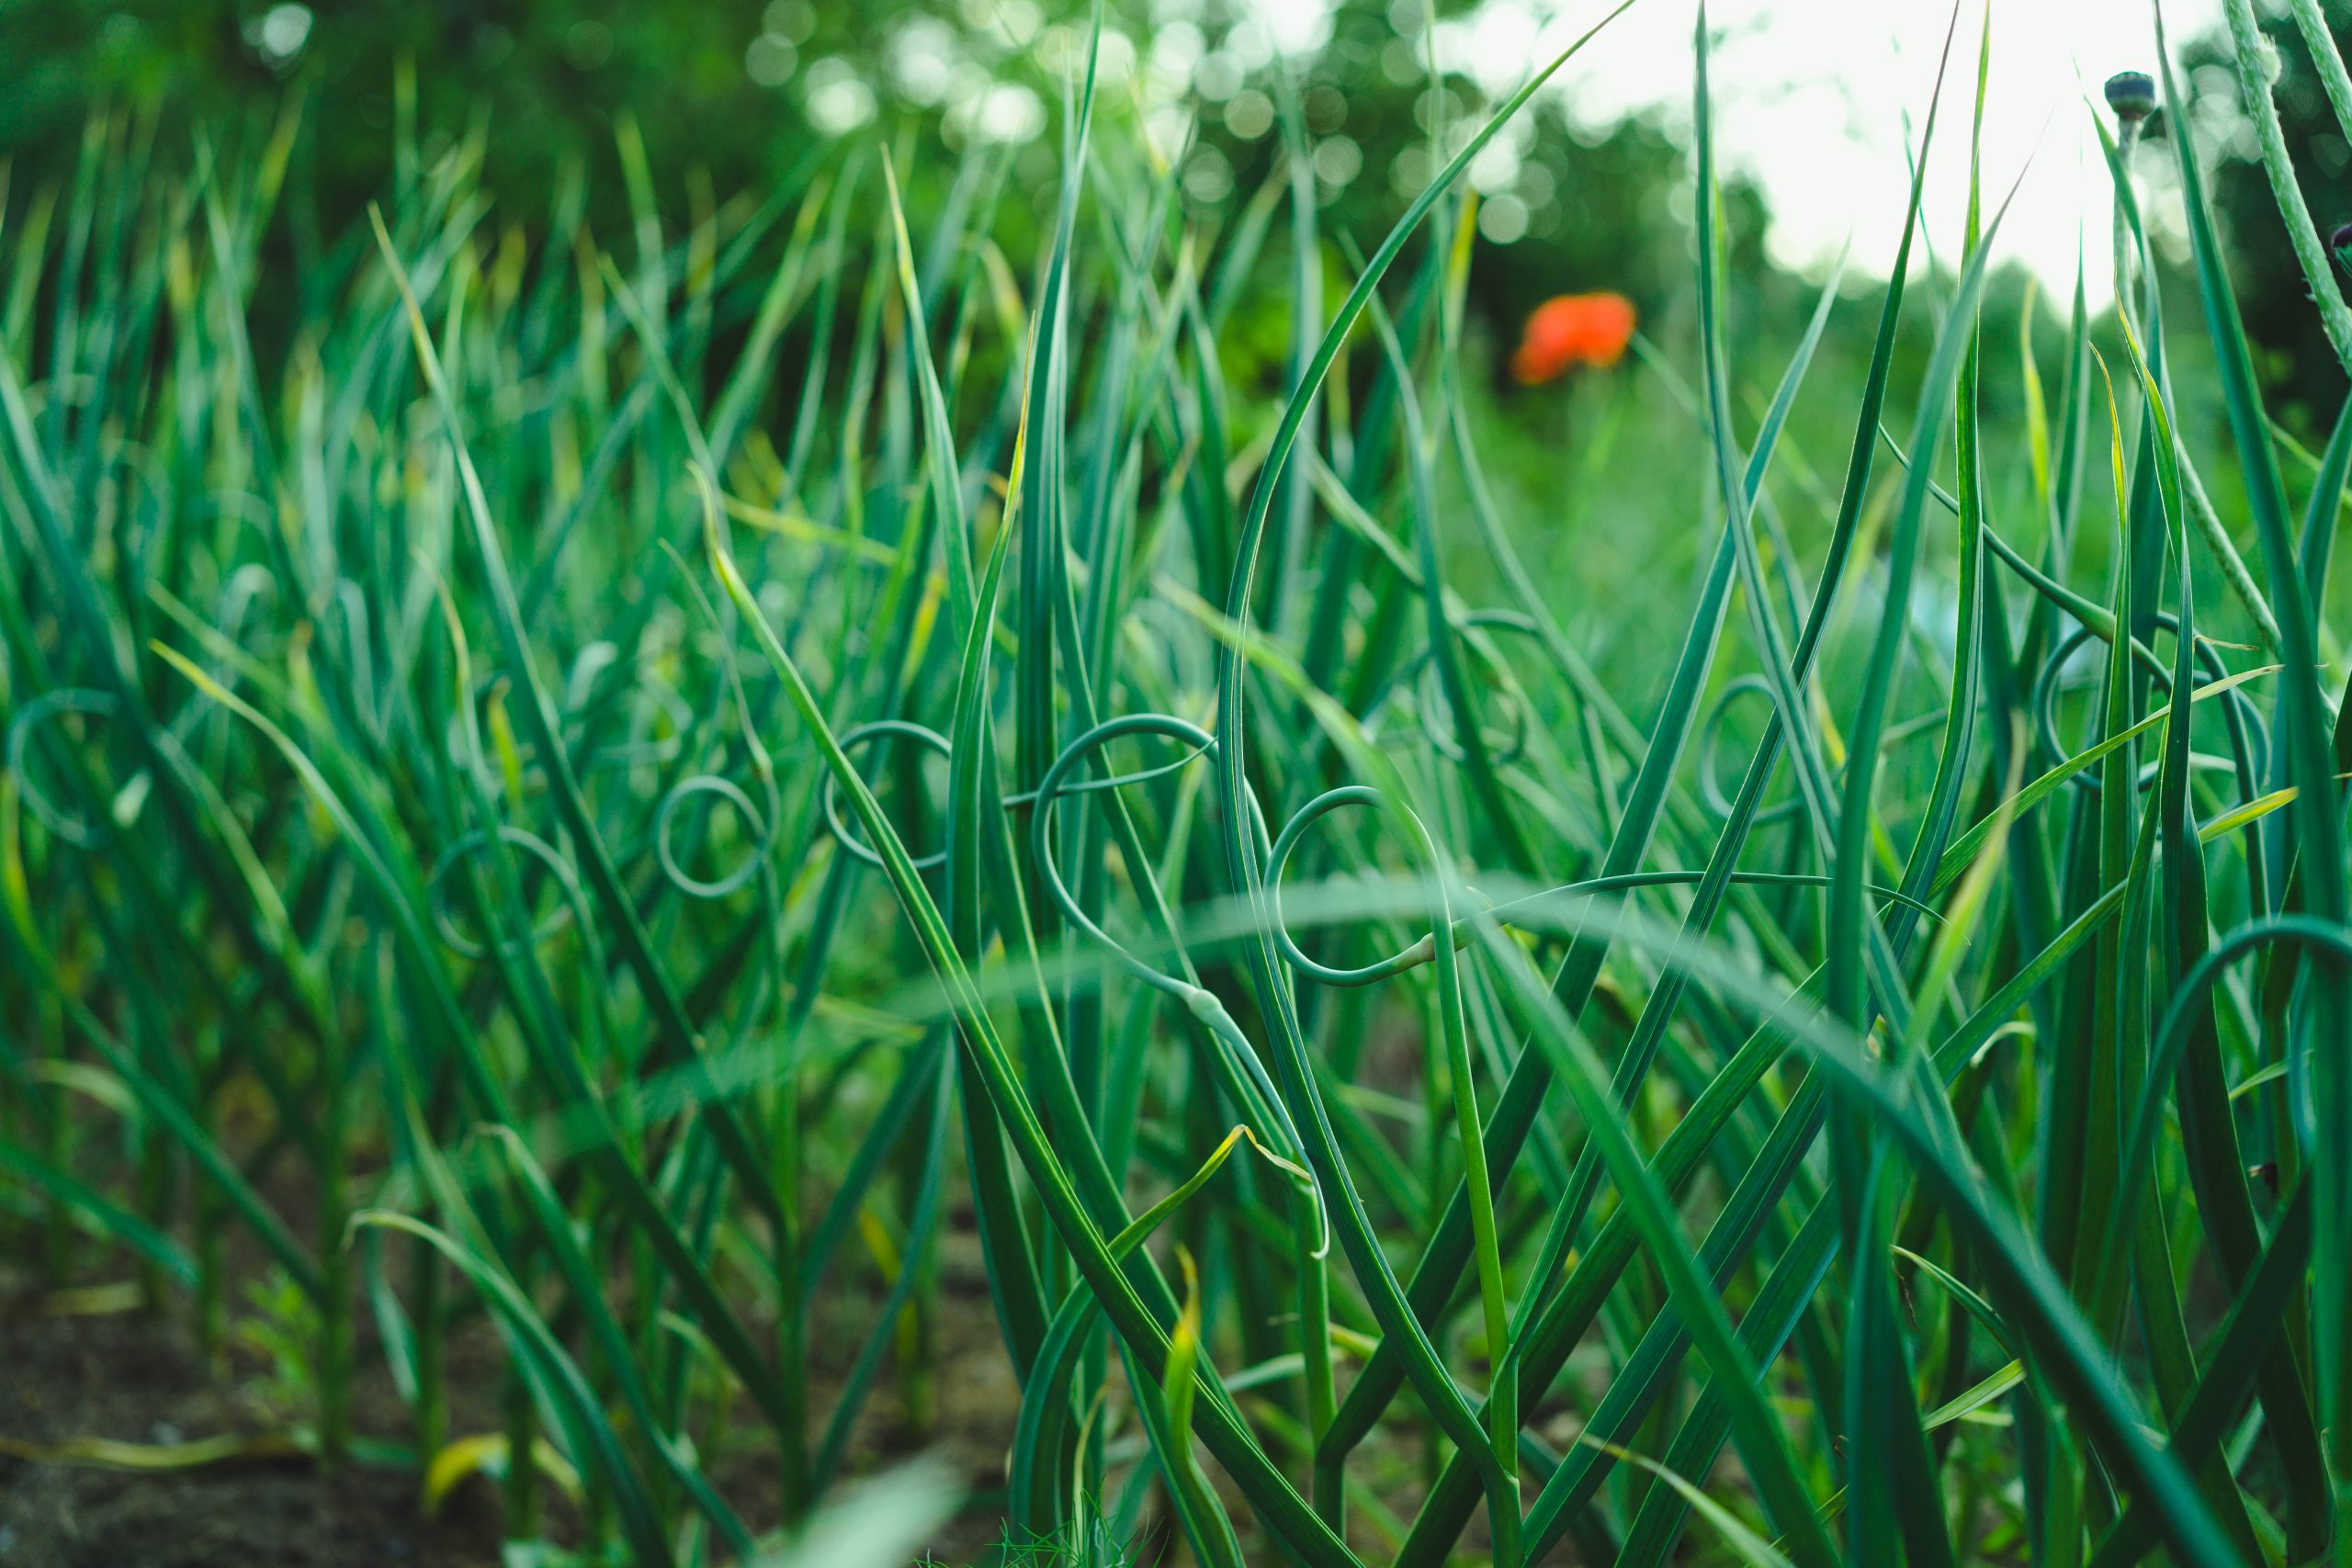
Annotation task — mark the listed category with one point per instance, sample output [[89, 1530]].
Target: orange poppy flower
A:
[[1570, 330]]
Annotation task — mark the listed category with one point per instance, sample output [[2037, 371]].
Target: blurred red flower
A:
[[1570, 330]]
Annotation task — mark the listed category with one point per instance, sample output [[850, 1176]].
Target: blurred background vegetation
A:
[[700, 106]]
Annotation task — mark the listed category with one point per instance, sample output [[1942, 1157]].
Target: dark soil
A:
[[138, 1378], [135, 1379]]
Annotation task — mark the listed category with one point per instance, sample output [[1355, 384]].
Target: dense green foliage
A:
[[646, 777], [727, 98]]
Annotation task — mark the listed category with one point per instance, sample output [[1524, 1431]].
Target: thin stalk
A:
[[2251, 51]]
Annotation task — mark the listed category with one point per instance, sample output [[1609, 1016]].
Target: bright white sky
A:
[[1812, 97]]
